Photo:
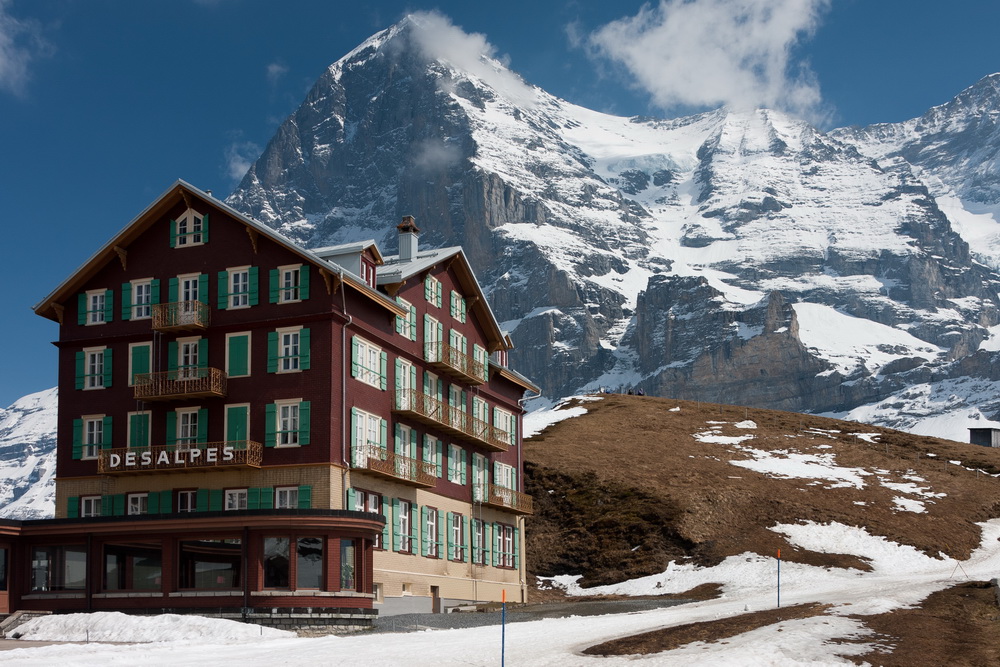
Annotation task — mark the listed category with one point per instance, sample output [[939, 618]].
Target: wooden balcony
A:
[[181, 316], [182, 383], [199, 456], [454, 362], [382, 462], [428, 410], [502, 498]]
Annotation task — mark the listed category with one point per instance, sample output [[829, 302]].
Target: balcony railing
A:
[[229, 454], [179, 384], [181, 316], [457, 422], [502, 498], [384, 463], [454, 362]]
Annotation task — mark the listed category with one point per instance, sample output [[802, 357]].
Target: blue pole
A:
[[779, 578]]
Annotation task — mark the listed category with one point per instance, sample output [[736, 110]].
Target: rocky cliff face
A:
[[27, 457], [702, 257]]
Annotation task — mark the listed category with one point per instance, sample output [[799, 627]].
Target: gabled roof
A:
[[329, 252], [183, 191], [395, 272]]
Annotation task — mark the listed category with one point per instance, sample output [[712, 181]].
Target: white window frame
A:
[[287, 411], [431, 529], [286, 497], [93, 425], [478, 542], [235, 499], [369, 433], [93, 359], [188, 238], [503, 475], [290, 283], [90, 506], [436, 291], [406, 328], [249, 336], [456, 531], [225, 419], [370, 501], [128, 429], [288, 363], [95, 306], [188, 350], [369, 271], [238, 299], [504, 420], [369, 353], [454, 473], [408, 441], [137, 503], [187, 423], [142, 310], [403, 524], [187, 500], [505, 542], [188, 285]]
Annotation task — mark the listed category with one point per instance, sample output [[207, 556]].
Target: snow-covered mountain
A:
[[28, 457], [734, 257]]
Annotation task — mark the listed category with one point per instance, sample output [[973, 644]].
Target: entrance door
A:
[[435, 600]]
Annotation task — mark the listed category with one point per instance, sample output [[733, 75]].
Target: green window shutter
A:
[[305, 497], [73, 507], [253, 498], [118, 503], [171, 428], [273, 286], [267, 498], [395, 524], [399, 323], [203, 288], [140, 360], [223, 282], [270, 427], [383, 425], [437, 293], [173, 233], [487, 541], [107, 367], [385, 526], [398, 445], [423, 530], [172, 355], [81, 308], [81, 369], [203, 425], [236, 423], [166, 502], [352, 503], [413, 376], [304, 349], [383, 359], [428, 290], [452, 309], [451, 543], [126, 301], [440, 331], [355, 445], [135, 428], [496, 544], [413, 322], [153, 503], [304, 282], [398, 375], [428, 347], [107, 508], [77, 438], [201, 500], [172, 288], [109, 305], [465, 538], [425, 451], [517, 548], [304, 436], [451, 464], [440, 455], [439, 542], [464, 462], [239, 356], [272, 351], [414, 528], [355, 364], [106, 433], [204, 228], [215, 500], [154, 291], [203, 353], [254, 286]]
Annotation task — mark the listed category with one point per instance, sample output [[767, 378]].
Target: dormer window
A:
[[368, 268], [189, 229]]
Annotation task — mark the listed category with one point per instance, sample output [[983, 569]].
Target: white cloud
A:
[[240, 156], [439, 39], [275, 71], [21, 42], [433, 155], [702, 53]]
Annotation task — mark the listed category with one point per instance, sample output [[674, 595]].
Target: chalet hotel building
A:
[[253, 429]]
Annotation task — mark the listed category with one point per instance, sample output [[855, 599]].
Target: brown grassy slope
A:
[[624, 489]]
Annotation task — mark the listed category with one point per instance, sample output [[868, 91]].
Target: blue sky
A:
[[104, 103]]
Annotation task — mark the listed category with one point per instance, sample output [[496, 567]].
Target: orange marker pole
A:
[[779, 578], [503, 624]]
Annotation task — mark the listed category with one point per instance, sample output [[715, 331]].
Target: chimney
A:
[[408, 234]]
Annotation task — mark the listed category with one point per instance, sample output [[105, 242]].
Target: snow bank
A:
[[106, 626]]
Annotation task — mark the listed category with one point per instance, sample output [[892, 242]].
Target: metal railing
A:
[[180, 383], [381, 461], [231, 453], [456, 421], [502, 497], [455, 362], [181, 315]]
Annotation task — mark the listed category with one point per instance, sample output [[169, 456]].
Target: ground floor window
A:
[[136, 566], [276, 563], [308, 562], [210, 564], [505, 545], [3, 569], [58, 568], [347, 565], [478, 542]]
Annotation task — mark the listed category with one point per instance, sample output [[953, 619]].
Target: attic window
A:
[[189, 229]]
